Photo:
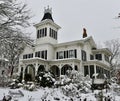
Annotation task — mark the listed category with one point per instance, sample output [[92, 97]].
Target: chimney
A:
[[84, 33]]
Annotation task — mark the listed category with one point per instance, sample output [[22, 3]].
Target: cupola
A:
[[47, 29]]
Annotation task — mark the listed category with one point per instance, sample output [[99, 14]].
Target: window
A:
[[61, 55], [28, 56], [45, 54], [50, 32], [106, 58], [91, 70], [38, 54], [53, 33], [91, 57], [66, 54], [76, 68], [41, 54], [32, 55], [24, 56], [98, 56], [71, 53], [40, 33], [86, 70], [83, 55], [45, 31]]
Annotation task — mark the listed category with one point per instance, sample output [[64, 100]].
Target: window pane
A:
[[45, 31], [98, 56], [61, 55], [91, 70], [39, 54], [91, 57], [86, 71], [43, 34], [83, 53], [76, 68], [71, 53]]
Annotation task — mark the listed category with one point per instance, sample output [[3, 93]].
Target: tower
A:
[[47, 29]]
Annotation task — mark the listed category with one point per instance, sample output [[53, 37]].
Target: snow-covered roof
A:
[[106, 50], [82, 41]]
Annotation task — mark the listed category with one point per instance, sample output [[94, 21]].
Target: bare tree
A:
[[14, 17], [114, 47]]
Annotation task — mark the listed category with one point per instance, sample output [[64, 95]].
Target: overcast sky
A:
[[97, 16]]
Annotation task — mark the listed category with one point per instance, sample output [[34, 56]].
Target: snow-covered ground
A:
[[51, 94]]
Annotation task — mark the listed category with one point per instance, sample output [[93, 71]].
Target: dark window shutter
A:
[[57, 55], [38, 34], [67, 54], [75, 51], [45, 54]]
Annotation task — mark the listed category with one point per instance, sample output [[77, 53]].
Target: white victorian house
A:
[[47, 54]]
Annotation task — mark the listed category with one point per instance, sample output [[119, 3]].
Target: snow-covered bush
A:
[[113, 80], [15, 84], [73, 83], [30, 86], [45, 79], [63, 80]]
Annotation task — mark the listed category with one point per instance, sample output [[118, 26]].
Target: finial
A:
[[48, 10], [84, 33]]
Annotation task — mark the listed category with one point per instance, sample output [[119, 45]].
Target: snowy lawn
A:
[[51, 94]]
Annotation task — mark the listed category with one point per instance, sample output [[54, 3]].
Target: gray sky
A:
[[97, 16]]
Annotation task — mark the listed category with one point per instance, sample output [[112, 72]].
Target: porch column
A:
[[81, 67], [89, 70], [60, 69], [36, 68], [73, 66], [24, 67], [95, 69]]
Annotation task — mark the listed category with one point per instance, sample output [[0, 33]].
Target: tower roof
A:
[[47, 14]]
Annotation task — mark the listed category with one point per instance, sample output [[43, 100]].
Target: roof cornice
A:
[[47, 21]]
